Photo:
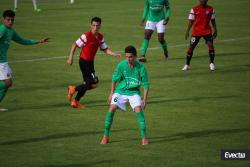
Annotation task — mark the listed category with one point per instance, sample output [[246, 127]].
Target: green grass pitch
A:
[[190, 115]]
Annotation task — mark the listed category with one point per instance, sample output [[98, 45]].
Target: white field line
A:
[[153, 48]]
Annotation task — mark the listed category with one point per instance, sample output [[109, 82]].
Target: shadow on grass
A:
[[184, 136], [58, 136], [198, 72], [204, 56], [60, 105], [195, 99], [197, 134], [103, 162]]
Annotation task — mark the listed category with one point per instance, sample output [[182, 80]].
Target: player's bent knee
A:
[[112, 108], [93, 86], [138, 109], [8, 83]]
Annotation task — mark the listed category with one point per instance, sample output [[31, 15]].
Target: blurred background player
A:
[[200, 17], [157, 13], [34, 5], [89, 43], [7, 33], [130, 74]]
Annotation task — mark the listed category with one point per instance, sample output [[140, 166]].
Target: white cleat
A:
[[185, 68], [3, 109], [212, 66]]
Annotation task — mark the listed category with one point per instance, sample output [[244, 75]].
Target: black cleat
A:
[[166, 55]]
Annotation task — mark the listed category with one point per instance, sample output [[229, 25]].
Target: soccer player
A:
[[157, 13], [7, 33], [89, 42], [200, 17], [130, 74], [34, 5]]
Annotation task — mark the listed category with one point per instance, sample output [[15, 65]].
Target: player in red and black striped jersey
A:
[[200, 17], [89, 43]]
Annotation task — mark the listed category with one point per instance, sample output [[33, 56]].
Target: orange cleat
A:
[[71, 91], [144, 141], [77, 104], [105, 140]]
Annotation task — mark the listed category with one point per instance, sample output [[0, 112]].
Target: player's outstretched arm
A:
[[110, 52], [71, 54]]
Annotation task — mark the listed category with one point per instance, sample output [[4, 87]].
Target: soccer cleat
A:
[[144, 141], [142, 59], [77, 104], [186, 67], [71, 91], [37, 10], [212, 66], [3, 109], [105, 140]]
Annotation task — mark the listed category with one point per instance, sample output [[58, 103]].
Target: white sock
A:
[[34, 4], [15, 4]]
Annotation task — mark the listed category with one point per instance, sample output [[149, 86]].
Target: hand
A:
[[144, 103], [186, 35], [43, 40], [70, 61], [142, 23], [215, 34], [110, 98], [118, 56], [165, 22]]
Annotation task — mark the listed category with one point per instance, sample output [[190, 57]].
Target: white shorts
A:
[[159, 26], [121, 100], [5, 71]]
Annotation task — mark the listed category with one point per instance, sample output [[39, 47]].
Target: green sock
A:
[[3, 85], [3, 89], [142, 123], [144, 47], [164, 46], [2, 93], [108, 123]]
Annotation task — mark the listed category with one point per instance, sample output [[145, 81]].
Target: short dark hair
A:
[[8, 13], [131, 49], [96, 19]]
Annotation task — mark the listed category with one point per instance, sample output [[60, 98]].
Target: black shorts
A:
[[195, 39], [88, 71]]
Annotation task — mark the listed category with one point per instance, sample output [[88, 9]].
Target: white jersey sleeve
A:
[[191, 15], [103, 45], [81, 42]]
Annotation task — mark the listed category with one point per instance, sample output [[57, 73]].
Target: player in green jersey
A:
[[7, 33], [157, 13], [130, 74]]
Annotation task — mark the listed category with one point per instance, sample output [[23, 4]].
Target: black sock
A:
[[81, 90], [188, 59], [211, 55]]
